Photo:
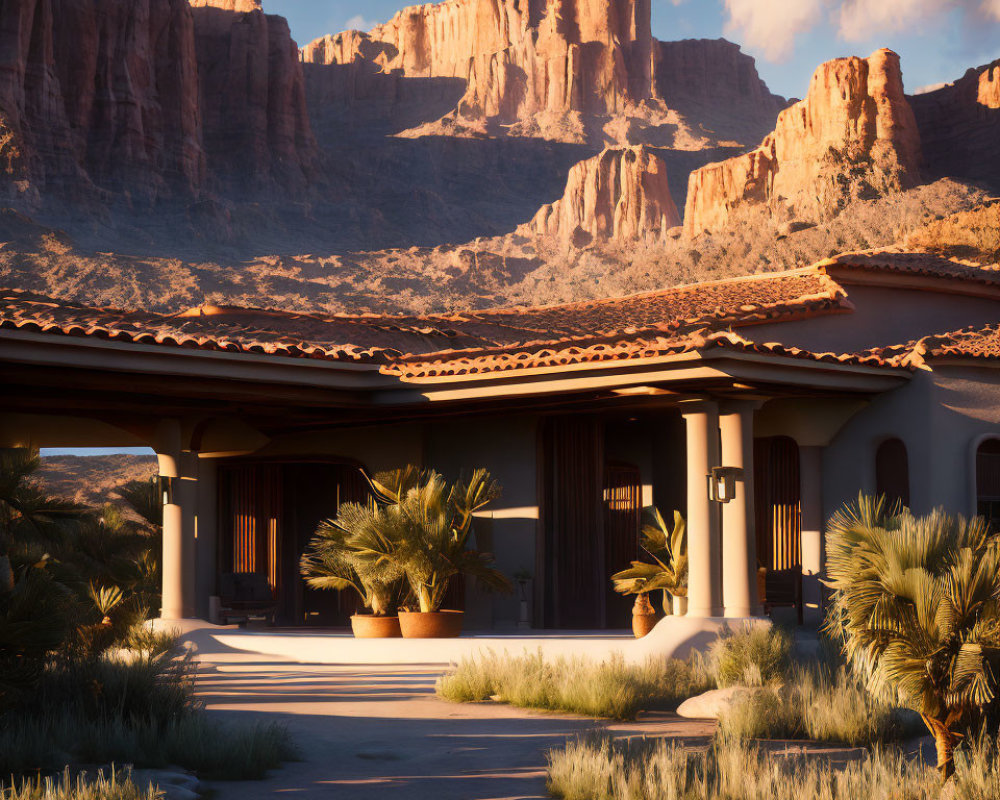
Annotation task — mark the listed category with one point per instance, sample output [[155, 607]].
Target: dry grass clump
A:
[[752, 655], [116, 786], [604, 769], [971, 235], [821, 705], [608, 689]]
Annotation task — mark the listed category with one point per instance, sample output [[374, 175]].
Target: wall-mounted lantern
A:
[[166, 489], [722, 483]]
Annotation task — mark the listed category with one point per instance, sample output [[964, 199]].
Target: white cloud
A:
[[359, 23], [771, 26]]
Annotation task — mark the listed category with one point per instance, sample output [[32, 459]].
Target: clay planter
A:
[[430, 624], [644, 616], [368, 626]]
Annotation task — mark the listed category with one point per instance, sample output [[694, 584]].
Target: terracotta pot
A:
[[368, 626], [644, 616], [430, 624]]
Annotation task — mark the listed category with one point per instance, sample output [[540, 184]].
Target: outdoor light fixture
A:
[[722, 483], [166, 489]]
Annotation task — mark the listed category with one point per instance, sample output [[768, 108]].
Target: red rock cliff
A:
[[960, 126], [517, 58], [147, 99], [622, 194], [854, 121], [99, 92]]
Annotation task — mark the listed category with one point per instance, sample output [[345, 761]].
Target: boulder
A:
[[714, 703]]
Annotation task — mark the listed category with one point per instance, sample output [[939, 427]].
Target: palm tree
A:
[[916, 602], [668, 548], [145, 499], [341, 556], [25, 509], [424, 525]]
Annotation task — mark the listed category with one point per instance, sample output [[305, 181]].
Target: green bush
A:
[[604, 769], [116, 786], [752, 655], [609, 689]]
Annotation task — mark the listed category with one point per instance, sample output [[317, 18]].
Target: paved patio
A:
[[379, 732]]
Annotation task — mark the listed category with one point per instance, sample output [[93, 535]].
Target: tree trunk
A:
[[944, 741]]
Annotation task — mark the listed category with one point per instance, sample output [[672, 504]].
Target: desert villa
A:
[[874, 371]]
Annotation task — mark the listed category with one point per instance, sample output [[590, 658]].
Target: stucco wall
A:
[[940, 416], [507, 447]]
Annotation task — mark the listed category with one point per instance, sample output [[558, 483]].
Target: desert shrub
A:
[[819, 704], [114, 786], [752, 655], [609, 689], [973, 234], [639, 769]]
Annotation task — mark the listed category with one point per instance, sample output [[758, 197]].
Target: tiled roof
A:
[[378, 339], [893, 261], [980, 343], [670, 321], [651, 343]]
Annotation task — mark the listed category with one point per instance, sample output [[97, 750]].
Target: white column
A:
[[739, 539], [704, 589], [811, 483], [168, 454]]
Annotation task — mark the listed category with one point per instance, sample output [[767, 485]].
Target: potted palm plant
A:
[[669, 574], [342, 555], [424, 524]]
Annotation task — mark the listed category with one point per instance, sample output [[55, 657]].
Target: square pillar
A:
[[739, 538], [704, 563], [811, 485]]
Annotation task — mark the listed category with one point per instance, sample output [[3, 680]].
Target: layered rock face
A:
[[516, 59], [714, 82], [113, 98], [620, 195], [960, 126], [99, 92], [256, 125], [854, 135]]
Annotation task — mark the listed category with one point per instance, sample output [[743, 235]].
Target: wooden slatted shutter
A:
[[779, 519]]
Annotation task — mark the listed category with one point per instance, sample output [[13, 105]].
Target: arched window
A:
[[892, 472], [988, 481]]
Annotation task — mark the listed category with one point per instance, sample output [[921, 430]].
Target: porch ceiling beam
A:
[[683, 372], [63, 351]]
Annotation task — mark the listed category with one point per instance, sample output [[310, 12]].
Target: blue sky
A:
[[937, 39]]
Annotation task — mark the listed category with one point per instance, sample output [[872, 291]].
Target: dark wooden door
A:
[[250, 517], [778, 498], [622, 521], [571, 554]]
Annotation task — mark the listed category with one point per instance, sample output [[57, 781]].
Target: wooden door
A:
[[778, 499], [571, 550], [622, 521]]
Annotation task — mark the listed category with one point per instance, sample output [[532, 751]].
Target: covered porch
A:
[[253, 449]]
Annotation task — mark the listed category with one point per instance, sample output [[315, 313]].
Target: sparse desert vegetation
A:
[[637, 769], [610, 689]]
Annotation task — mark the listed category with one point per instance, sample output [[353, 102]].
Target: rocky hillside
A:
[[92, 480], [140, 101], [853, 137], [168, 153]]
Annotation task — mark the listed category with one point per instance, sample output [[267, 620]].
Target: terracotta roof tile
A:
[[378, 338], [980, 343], [896, 261]]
